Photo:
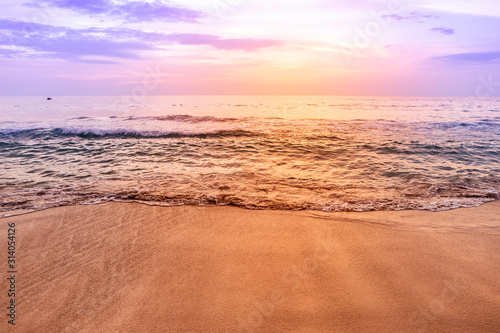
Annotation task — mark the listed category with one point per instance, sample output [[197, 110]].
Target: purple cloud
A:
[[28, 40], [444, 31], [140, 11], [88, 6], [46, 41], [471, 57], [413, 16], [7, 53], [134, 11], [99, 62], [247, 44]]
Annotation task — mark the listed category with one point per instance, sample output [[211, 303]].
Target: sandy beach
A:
[[127, 267]]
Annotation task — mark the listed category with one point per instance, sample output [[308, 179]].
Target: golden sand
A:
[[121, 267]]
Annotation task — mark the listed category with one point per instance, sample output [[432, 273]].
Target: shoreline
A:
[[133, 267], [154, 204]]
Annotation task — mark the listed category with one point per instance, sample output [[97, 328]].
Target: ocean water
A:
[[262, 152]]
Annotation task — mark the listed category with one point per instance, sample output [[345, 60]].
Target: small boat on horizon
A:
[[49, 98]]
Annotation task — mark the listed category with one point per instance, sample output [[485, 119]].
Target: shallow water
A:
[[314, 152]]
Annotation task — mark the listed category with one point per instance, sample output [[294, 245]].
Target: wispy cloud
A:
[[134, 11], [475, 57], [444, 31], [247, 44], [46, 41], [413, 16]]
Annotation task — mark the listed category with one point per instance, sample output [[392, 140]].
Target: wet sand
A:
[[125, 267]]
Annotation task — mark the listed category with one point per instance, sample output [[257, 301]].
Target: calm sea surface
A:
[[265, 152]]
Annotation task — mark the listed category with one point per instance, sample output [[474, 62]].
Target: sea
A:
[[326, 153]]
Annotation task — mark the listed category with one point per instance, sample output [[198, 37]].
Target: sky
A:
[[250, 47]]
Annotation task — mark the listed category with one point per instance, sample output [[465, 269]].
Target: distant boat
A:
[[49, 98]]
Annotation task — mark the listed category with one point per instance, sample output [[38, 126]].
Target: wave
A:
[[191, 119], [177, 118], [196, 199], [127, 127], [130, 133], [89, 133]]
